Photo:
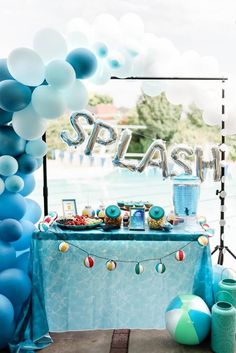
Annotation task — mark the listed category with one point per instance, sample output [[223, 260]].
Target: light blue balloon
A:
[[6, 321], [7, 255], [2, 186], [33, 211], [12, 206], [15, 285], [36, 148], [14, 183], [48, 102], [60, 74], [29, 184], [76, 96], [22, 261], [8, 165], [24, 242]]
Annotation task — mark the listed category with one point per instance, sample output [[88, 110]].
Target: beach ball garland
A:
[[89, 262], [180, 255], [63, 247], [111, 265], [160, 267], [203, 240], [139, 269]]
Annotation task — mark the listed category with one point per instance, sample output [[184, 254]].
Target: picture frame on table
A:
[[69, 207], [137, 218]]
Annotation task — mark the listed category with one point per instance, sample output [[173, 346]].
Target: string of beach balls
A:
[[111, 264]]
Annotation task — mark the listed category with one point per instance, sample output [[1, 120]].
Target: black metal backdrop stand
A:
[[221, 248]]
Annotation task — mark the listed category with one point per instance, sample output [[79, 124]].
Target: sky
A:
[[206, 26]]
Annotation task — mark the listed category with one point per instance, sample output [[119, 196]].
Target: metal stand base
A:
[[222, 250]]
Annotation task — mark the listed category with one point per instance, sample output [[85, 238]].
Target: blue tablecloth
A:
[[68, 296]]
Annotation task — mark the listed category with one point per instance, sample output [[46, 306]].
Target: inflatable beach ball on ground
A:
[[188, 319]]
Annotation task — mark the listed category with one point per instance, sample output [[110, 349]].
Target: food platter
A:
[[78, 223]]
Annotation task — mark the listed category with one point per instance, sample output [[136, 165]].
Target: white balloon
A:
[[106, 26], [102, 75], [116, 59], [60, 74], [26, 66], [180, 92], [76, 96], [50, 44], [132, 25], [28, 125], [212, 115], [77, 39], [48, 102], [79, 24]]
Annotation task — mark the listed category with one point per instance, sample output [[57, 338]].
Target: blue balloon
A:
[[4, 72], [27, 164], [101, 49], [10, 230], [11, 144], [14, 183], [5, 117], [6, 321], [22, 262], [15, 285], [83, 61], [29, 184], [24, 242], [37, 148], [40, 162], [12, 206], [7, 255], [33, 211], [8, 165], [14, 96]]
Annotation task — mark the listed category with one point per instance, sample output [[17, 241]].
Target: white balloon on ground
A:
[[48, 102], [50, 44], [76, 96], [26, 66], [28, 124], [60, 74]]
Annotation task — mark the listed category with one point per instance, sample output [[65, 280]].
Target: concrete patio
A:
[[119, 341]]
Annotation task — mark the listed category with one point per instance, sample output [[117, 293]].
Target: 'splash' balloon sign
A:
[[178, 152], [42, 83]]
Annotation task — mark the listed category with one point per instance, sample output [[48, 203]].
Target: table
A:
[[68, 296]]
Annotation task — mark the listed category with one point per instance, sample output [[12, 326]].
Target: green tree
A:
[[96, 99], [160, 118]]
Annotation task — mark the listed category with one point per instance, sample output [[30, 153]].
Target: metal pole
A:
[[45, 180]]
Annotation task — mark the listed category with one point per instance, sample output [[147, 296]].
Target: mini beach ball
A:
[[89, 262], [180, 255], [63, 247], [188, 319], [111, 265]]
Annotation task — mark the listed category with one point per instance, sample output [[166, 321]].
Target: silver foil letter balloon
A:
[[94, 136], [122, 147], [179, 151], [157, 145], [81, 135], [202, 165]]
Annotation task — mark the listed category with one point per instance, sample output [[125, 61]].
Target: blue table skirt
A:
[[68, 296]]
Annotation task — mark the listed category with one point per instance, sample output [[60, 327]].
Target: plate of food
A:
[[78, 223]]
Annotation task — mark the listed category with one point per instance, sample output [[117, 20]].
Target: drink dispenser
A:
[[186, 192]]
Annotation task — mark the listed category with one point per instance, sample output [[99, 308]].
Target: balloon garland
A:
[[40, 84]]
